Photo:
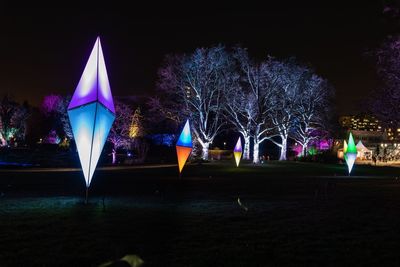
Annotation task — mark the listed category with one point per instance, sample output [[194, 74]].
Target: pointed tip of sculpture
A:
[[185, 139], [94, 85], [98, 40], [351, 146], [238, 146]]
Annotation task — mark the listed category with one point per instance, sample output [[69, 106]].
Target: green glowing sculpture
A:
[[350, 154]]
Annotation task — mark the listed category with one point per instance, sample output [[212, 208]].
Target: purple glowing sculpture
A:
[[93, 85]]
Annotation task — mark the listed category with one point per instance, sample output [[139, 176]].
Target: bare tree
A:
[[13, 118], [165, 106], [288, 77], [50, 103], [196, 83], [240, 111], [257, 90], [312, 110], [385, 100], [239, 102], [55, 108], [62, 108], [119, 133]]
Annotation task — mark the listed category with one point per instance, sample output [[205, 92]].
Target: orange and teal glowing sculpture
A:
[[91, 112], [184, 146], [350, 153], [237, 152]]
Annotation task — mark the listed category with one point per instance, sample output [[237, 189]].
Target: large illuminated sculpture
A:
[[350, 153], [91, 112], [237, 152], [184, 146]]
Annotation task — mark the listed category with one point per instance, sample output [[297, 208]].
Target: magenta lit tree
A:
[[54, 107], [50, 104], [385, 101]]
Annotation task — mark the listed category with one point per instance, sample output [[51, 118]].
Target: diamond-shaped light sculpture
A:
[[350, 153], [91, 112], [184, 146], [237, 152]]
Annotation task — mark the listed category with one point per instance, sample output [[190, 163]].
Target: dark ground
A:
[[299, 214]]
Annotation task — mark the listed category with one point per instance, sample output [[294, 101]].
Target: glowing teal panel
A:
[[82, 123], [104, 121], [90, 126], [185, 139]]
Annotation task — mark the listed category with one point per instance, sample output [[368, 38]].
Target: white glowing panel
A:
[[82, 124], [90, 125], [351, 158]]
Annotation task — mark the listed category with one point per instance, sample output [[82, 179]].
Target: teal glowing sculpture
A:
[[91, 112], [350, 153], [184, 146]]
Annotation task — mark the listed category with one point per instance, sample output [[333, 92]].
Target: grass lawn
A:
[[298, 214]]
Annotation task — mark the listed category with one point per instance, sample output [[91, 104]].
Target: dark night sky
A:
[[44, 50]]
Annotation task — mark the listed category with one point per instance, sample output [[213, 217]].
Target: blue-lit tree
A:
[[258, 91], [240, 106], [195, 84], [312, 110], [240, 111]]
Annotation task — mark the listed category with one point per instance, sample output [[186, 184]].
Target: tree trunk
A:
[[114, 156], [204, 152], [303, 150], [246, 148], [256, 152], [3, 141], [283, 148]]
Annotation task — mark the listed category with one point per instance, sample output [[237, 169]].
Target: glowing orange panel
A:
[[183, 153]]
